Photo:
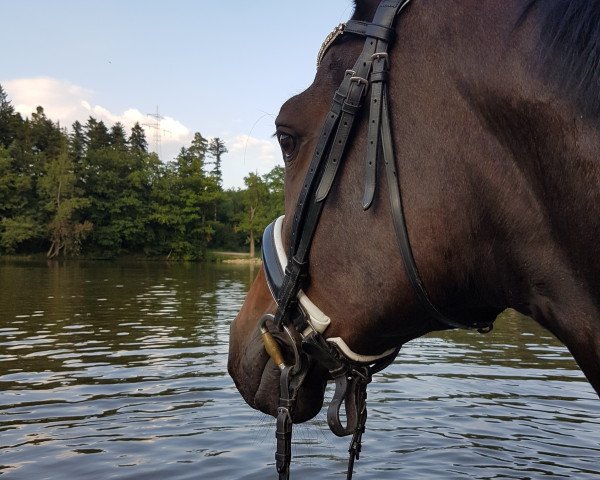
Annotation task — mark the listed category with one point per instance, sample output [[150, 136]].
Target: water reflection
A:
[[119, 371], [123, 364]]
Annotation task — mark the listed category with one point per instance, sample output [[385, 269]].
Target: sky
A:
[[221, 68]]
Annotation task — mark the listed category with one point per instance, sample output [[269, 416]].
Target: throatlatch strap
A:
[[399, 221]]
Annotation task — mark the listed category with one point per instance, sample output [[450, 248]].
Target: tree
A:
[[96, 134], [227, 235], [7, 111], [262, 202], [45, 142], [10, 121], [137, 139], [18, 222], [63, 200], [183, 199], [198, 148], [118, 205], [194, 198], [14, 186], [275, 181], [23, 219], [254, 219], [117, 137], [46, 136], [18, 230], [77, 143], [216, 149]]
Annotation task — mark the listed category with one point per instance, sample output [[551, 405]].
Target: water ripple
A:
[[119, 371]]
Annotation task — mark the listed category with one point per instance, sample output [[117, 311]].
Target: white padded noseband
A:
[[317, 319]]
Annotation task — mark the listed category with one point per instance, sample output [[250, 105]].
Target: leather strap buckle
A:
[[379, 56], [360, 80]]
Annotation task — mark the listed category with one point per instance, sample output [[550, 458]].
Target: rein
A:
[[286, 273]]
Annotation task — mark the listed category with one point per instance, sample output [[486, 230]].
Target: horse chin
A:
[[309, 398]]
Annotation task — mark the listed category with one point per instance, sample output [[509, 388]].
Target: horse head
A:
[[433, 188]]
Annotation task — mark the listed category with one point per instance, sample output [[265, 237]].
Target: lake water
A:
[[118, 371]]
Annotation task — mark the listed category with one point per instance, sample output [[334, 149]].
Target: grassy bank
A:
[[211, 256], [231, 257]]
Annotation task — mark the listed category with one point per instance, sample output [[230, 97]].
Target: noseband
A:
[[301, 320]]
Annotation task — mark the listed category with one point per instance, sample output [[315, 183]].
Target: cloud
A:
[[66, 102], [61, 100], [257, 149], [248, 154]]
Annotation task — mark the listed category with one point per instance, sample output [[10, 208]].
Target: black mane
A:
[[571, 49], [570, 45]]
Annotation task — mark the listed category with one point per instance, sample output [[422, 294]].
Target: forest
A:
[[96, 191]]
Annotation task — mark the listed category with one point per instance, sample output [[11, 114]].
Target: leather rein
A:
[[286, 273]]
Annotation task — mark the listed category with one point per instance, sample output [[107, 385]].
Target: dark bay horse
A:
[[494, 109]]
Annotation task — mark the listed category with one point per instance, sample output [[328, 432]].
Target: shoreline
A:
[[239, 258]]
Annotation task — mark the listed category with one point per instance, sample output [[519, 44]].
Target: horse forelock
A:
[[570, 43], [364, 10]]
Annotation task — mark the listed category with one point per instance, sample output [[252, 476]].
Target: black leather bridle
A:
[[369, 74]]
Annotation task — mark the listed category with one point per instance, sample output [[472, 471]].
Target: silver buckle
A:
[[379, 56], [360, 80]]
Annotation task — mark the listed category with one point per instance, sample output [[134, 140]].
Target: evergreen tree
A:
[[118, 208], [6, 113], [117, 137], [137, 139], [183, 200], [46, 136], [10, 121], [198, 148], [36, 142], [45, 140], [216, 149], [96, 134], [14, 187], [21, 220], [18, 220], [77, 143]]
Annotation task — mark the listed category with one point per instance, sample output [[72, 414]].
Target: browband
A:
[[356, 27]]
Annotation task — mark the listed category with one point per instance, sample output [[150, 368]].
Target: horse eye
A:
[[287, 143]]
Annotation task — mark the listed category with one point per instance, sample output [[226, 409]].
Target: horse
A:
[[483, 117]]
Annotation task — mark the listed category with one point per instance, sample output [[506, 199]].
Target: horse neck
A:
[[539, 178], [549, 216], [511, 169]]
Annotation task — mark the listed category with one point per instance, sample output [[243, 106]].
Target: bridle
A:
[[302, 321]]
